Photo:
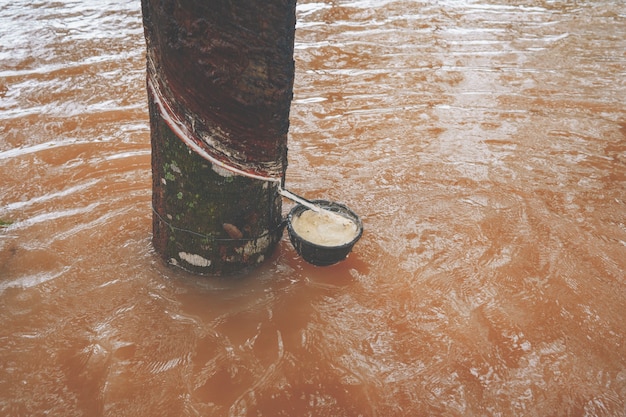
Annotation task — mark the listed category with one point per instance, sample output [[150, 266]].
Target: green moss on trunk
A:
[[206, 219]]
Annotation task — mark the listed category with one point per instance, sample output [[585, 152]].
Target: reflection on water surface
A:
[[483, 144]]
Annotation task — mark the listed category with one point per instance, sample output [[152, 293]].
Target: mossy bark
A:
[[206, 219]]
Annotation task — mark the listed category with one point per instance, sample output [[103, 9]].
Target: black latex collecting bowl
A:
[[317, 254]]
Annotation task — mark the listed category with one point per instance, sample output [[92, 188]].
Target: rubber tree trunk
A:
[[220, 80]]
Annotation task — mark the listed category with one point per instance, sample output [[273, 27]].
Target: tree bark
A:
[[220, 80]]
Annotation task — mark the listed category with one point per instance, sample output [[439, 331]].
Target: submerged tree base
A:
[[208, 220]]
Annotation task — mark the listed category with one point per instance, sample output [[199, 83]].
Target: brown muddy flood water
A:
[[482, 142]]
